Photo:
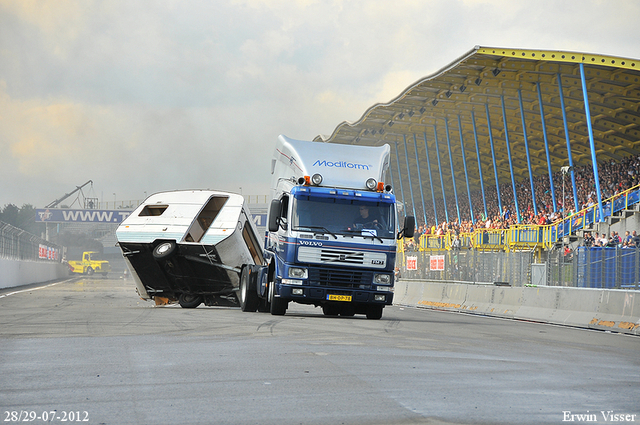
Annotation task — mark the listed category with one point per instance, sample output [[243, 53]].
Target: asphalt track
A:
[[91, 347]]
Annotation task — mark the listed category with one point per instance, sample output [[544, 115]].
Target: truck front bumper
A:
[[318, 295]]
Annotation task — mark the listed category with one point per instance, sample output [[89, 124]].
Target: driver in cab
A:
[[364, 219]]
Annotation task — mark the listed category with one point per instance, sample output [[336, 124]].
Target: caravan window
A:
[[153, 210], [205, 218]]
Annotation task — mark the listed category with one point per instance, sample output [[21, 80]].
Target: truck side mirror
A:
[[408, 228], [274, 215]]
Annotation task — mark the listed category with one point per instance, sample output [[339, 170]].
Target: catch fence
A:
[[595, 267], [18, 244]]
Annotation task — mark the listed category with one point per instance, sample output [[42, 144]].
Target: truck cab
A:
[[90, 264], [332, 230]]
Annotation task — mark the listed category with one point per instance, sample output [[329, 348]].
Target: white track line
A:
[[32, 289]]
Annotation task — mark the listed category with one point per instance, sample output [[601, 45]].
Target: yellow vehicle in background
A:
[[90, 264]]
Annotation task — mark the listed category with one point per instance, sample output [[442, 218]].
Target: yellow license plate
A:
[[332, 297]]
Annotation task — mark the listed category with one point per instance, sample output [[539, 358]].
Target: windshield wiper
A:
[[373, 235], [312, 228]]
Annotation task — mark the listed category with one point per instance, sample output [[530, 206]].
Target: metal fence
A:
[[585, 268], [596, 267], [513, 268], [18, 244]]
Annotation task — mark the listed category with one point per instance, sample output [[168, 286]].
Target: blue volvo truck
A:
[[331, 239]]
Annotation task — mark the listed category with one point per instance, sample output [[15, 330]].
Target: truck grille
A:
[[340, 278], [328, 255], [338, 257]]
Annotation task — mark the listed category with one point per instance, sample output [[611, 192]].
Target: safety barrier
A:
[[603, 309]]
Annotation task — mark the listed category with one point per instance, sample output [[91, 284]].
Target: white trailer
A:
[[190, 246]]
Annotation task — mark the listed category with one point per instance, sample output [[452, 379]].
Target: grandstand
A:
[[513, 150]]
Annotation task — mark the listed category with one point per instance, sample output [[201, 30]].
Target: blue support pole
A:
[[453, 174], [513, 179], [444, 197], [475, 137], [493, 156], [466, 173], [591, 141], [546, 148], [406, 156], [424, 210], [433, 195], [400, 180], [566, 136], [526, 147]]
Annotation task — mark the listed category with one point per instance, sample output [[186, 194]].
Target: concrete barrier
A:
[[603, 309], [18, 273]]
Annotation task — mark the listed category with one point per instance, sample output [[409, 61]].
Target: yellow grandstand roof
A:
[[479, 81]]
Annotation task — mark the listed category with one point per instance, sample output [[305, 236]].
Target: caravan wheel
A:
[[164, 251], [189, 300]]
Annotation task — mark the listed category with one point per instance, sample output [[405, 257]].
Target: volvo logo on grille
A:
[[310, 243], [343, 257]]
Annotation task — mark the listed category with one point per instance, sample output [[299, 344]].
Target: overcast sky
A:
[[145, 96]]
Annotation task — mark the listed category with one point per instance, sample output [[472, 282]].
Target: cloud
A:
[[147, 96]]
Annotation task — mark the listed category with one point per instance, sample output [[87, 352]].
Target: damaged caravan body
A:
[[190, 246]]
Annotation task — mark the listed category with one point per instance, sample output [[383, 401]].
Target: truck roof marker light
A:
[[380, 187], [371, 184], [333, 192], [316, 179], [307, 180], [358, 194]]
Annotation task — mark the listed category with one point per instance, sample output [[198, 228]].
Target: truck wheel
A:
[[89, 271], [263, 306], [330, 309], [248, 296], [348, 310], [278, 306], [189, 300], [374, 312], [164, 251]]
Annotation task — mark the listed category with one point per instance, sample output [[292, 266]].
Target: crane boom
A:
[[57, 201]]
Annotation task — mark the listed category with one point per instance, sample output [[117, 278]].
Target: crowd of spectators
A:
[[614, 177]]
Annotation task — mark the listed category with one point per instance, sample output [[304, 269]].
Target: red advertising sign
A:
[[412, 263], [436, 262]]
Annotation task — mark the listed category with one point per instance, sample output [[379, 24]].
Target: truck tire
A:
[[164, 250], [89, 271], [348, 310], [374, 312], [263, 306], [248, 296], [277, 306], [330, 309], [189, 300]]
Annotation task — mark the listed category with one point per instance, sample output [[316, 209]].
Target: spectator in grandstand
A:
[[627, 241], [636, 239], [588, 240], [455, 244]]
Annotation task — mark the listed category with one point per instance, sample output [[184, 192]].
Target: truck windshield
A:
[[343, 216]]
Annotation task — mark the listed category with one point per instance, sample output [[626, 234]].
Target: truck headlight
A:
[[382, 279], [297, 272], [316, 179], [371, 184]]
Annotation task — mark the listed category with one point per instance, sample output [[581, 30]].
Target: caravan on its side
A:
[[190, 246]]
